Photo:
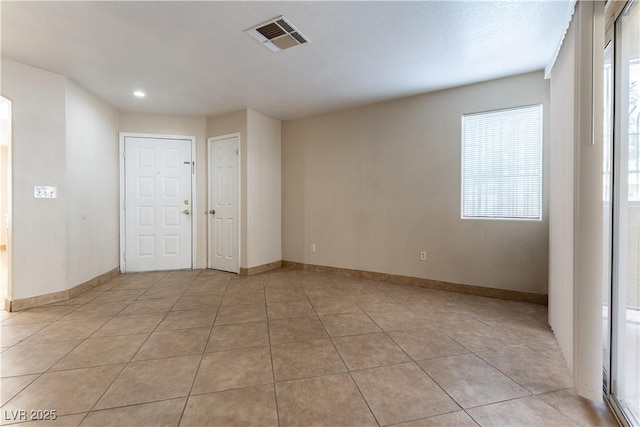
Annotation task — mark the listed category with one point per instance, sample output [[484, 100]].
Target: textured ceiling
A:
[[194, 58]]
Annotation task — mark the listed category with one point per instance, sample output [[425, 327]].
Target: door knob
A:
[[186, 212], [212, 211]]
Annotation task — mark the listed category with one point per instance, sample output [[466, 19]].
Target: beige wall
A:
[[64, 137], [4, 200], [39, 233], [92, 186], [183, 126], [373, 186], [5, 140], [264, 203]]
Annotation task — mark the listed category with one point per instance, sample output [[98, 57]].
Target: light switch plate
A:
[[45, 192]]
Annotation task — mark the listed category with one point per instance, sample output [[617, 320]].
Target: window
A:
[[502, 164]]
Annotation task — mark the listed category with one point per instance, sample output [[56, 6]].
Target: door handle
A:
[[186, 212], [212, 211]]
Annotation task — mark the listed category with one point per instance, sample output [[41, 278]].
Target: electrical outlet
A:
[[423, 255], [313, 247]]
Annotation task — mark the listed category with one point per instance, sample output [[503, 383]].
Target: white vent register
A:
[[277, 34]]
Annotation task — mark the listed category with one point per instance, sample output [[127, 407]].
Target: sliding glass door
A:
[[622, 371]]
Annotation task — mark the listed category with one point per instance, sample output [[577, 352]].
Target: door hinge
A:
[[193, 167], [124, 256]]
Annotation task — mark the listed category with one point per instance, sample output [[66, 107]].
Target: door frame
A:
[[121, 152], [210, 141]]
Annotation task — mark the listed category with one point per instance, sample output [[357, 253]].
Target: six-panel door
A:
[[158, 212], [223, 204]]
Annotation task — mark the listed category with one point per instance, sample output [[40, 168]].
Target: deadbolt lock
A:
[[186, 202]]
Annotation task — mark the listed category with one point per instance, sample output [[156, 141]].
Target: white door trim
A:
[[210, 141], [194, 236]]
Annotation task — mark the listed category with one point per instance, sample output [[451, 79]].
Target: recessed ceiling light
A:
[[139, 94]]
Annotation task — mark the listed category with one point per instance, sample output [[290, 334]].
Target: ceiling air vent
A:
[[277, 34]]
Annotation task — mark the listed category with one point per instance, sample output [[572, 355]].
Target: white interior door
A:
[[224, 213], [157, 204]]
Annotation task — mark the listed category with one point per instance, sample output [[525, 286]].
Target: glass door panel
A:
[[607, 208], [625, 314]]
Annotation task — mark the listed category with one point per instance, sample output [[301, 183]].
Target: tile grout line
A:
[[40, 374], [531, 392], [124, 366], [518, 398], [349, 372], [273, 369], [411, 360], [202, 356]]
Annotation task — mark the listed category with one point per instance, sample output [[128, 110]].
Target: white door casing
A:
[[224, 200], [156, 203]]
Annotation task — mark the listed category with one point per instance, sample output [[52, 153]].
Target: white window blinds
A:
[[502, 164]]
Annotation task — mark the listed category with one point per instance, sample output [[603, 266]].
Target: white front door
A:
[[157, 204], [224, 213]]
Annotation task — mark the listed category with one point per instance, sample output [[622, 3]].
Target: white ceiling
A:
[[194, 58]]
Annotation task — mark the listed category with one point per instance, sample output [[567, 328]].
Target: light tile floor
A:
[[288, 348]]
